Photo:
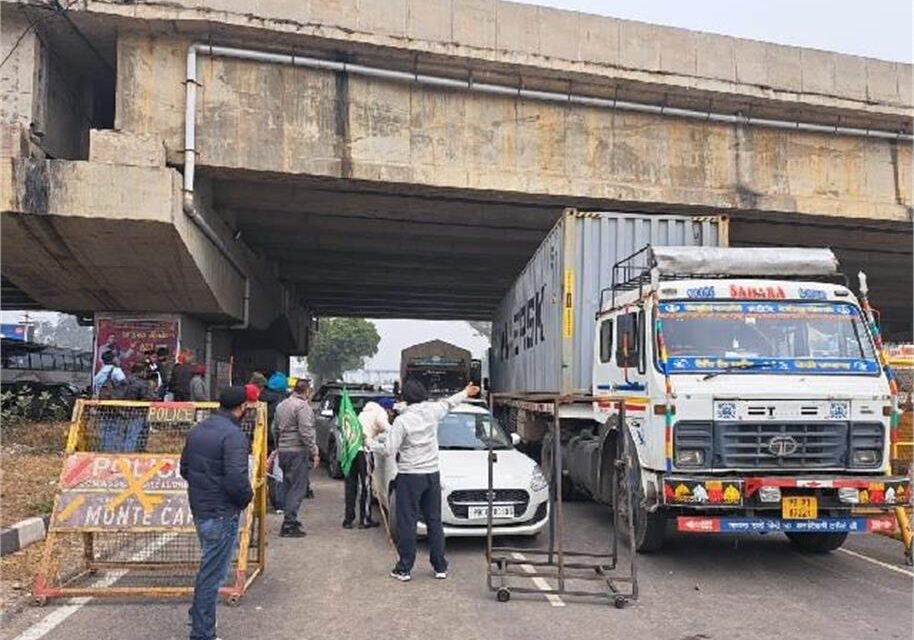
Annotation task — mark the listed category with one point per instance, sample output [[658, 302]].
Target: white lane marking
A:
[[878, 562], [540, 583], [51, 621]]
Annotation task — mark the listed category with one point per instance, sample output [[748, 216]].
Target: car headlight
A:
[[538, 481], [690, 458]]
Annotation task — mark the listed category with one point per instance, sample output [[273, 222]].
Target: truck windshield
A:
[[471, 431], [778, 337]]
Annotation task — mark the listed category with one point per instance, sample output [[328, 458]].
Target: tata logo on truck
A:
[[757, 293], [527, 329]]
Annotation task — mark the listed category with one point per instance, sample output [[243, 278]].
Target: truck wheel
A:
[[548, 467], [649, 527], [817, 542]]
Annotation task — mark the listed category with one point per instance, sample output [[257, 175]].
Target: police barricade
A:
[[121, 524]]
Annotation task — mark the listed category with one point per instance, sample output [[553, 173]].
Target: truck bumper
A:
[[753, 504], [870, 524]]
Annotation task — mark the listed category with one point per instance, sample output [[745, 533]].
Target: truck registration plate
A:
[[497, 511], [799, 508]]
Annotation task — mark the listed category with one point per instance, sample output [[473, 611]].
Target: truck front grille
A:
[[781, 445]]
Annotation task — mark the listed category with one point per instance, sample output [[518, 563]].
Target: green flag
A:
[[350, 433]]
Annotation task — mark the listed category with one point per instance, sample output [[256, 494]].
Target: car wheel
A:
[[648, 528], [817, 542], [333, 461]]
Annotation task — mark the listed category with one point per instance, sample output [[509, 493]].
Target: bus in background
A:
[[29, 368]]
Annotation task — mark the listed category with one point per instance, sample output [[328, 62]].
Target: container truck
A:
[[755, 395], [442, 367]]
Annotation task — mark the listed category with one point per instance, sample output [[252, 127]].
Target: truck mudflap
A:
[[708, 492], [869, 524]]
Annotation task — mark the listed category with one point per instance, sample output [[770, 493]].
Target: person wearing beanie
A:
[[413, 442], [214, 463]]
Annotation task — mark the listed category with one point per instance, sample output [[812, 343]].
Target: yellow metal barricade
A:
[[121, 524]]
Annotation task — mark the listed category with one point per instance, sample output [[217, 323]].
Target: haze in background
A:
[[396, 335]]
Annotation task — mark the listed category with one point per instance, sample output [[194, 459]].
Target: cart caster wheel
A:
[[908, 558], [503, 595], [233, 600], [619, 602], [39, 601]]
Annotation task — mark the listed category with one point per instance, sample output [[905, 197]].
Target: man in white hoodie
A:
[[414, 437], [374, 420]]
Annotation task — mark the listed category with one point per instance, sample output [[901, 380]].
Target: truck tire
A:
[[548, 466], [648, 527], [817, 542]]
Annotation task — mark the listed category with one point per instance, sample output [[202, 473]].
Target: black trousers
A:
[[419, 493], [357, 487]]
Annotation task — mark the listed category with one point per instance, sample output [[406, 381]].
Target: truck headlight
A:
[[538, 481], [866, 457], [690, 458]]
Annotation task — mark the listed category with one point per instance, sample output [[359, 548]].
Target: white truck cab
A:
[[756, 399]]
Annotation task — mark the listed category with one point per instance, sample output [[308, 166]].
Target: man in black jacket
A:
[[215, 465]]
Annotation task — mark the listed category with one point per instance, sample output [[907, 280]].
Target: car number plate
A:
[[799, 508], [498, 511]]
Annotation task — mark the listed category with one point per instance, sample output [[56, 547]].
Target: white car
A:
[[521, 501]]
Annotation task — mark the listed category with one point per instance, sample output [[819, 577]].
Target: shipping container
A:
[[543, 330]]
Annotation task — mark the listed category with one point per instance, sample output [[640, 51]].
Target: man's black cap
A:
[[414, 391], [232, 398]]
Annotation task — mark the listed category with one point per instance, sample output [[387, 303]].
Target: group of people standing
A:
[[152, 378], [214, 463]]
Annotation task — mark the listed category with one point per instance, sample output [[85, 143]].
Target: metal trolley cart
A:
[[556, 563]]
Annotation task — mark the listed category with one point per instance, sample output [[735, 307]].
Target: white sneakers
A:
[[440, 575]]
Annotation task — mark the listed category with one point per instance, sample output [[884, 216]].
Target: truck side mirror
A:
[[485, 384]]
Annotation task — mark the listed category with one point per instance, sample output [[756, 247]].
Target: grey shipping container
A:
[[543, 330]]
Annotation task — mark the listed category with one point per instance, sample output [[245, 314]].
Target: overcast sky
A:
[[875, 28]]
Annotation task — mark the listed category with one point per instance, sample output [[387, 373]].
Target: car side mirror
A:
[[515, 439], [327, 413]]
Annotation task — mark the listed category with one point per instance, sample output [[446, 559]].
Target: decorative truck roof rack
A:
[[682, 263]]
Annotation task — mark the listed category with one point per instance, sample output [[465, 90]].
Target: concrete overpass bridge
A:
[[403, 158]]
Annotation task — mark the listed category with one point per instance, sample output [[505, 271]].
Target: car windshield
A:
[[471, 431], [765, 337]]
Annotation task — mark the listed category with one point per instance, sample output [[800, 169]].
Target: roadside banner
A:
[[351, 432], [127, 340]]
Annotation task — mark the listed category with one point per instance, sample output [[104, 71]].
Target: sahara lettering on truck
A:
[[527, 328]]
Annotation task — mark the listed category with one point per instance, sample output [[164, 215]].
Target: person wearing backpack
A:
[[109, 383]]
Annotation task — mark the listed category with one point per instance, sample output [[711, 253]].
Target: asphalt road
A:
[[334, 584]]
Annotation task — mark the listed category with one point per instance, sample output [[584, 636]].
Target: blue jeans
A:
[[123, 434], [217, 541]]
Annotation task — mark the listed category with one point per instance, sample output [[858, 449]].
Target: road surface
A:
[[334, 583]]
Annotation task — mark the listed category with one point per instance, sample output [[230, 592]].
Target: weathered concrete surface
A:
[[563, 44], [122, 147], [42, 94], [108, 237], [274, 119]]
